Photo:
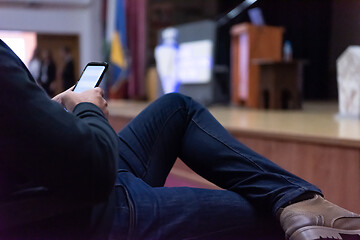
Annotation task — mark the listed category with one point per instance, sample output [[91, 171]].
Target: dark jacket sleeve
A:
[[43, 145]]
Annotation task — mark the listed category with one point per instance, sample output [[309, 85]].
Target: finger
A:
[[56, 98], [100, 91]]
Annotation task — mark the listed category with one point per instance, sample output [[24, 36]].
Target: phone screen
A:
[[89, 78]]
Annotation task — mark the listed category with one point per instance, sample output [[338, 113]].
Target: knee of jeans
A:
[[177, 98]]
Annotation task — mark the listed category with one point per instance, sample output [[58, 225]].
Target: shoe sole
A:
[[324, 233]]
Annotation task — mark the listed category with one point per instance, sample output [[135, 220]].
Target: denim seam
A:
[[234, 150], [124, 142], [157, 138], [125, 158], [131, 211], [133, 132]]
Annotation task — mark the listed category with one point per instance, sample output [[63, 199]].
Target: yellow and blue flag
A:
[[118, 51]]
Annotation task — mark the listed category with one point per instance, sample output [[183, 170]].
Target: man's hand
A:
[[70, 99]]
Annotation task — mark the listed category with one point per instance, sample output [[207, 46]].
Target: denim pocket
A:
[[124, 220]]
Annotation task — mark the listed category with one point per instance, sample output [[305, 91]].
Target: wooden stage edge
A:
[[313, 143]]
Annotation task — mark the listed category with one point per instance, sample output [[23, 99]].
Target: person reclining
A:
[[68, 175]]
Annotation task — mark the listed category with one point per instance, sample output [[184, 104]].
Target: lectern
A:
[[249, 42]]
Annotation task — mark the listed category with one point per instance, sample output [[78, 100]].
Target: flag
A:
[[118, 52]]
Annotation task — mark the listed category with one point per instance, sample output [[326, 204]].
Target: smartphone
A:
[[91, 76]]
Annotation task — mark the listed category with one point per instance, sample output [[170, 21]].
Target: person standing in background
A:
[[48, 72], [68, 73], [35, 64]]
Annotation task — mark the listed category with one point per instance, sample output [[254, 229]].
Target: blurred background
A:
[[319, 31]]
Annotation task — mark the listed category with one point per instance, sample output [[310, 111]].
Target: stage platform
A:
[[313, 143]]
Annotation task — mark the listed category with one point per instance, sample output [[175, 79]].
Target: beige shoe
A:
[[316, 219]]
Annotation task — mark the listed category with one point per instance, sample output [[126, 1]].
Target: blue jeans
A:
[[176, 126]]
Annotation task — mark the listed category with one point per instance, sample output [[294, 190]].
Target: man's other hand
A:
[[70, 99]]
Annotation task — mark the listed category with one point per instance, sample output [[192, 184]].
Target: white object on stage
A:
[[348, 77]]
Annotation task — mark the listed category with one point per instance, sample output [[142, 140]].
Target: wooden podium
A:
[[249, 42]]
